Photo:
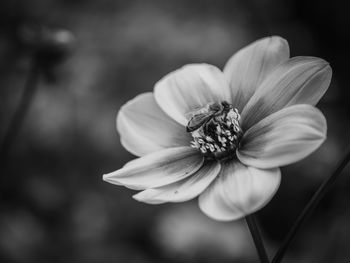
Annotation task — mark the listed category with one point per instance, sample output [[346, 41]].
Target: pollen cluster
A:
[[218, 133]]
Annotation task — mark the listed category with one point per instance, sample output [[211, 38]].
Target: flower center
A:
[[215, 130]]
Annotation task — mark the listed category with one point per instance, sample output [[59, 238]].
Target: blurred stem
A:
[[20, 113], [309, 208], [254, 230]]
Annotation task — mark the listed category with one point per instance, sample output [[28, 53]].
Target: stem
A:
[[254, 230], [19, 115], [314, 201]]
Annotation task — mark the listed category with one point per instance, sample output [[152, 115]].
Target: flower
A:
[[222, 136]]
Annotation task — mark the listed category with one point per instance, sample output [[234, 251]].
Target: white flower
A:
[[222, 135]]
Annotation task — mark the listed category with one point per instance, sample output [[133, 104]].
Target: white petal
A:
[[157, 169], [190, 88], [300, 80], [239, 190], [183, 190], [145, 128], [284, 137], [246, 69]]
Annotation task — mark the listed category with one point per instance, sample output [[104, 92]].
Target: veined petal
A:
[[246, 69], [300, 80], [183, 190], [190, 88], [239, 190], [157, 169], [145, 128], [284, 137]]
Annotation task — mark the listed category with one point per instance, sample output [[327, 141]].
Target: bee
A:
[[207, 115]]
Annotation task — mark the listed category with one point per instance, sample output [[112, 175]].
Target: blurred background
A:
[[97, 55]]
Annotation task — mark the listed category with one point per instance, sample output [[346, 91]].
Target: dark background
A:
[[54, 206]]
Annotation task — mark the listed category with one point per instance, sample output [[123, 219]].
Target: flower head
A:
[[222, 135]]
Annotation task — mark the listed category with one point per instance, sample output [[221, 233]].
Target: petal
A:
[[246, 69], [239, 190], [190, 88], [300, 80], [145, 128], [183, 190], [284, 137], [157, 169]]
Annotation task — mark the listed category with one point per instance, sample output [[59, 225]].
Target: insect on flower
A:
[[222, 135], [202, 117]]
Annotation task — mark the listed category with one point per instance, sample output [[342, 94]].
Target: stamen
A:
[[216, 130]]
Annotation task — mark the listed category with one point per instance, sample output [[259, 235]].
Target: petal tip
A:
[[217, 217], [280, 40], [137, 197], [328, 69], [110, 178], [142, 197], [106, 177], [318, 62]]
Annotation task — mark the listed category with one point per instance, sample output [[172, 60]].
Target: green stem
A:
[[314, 201], [254, 230]]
